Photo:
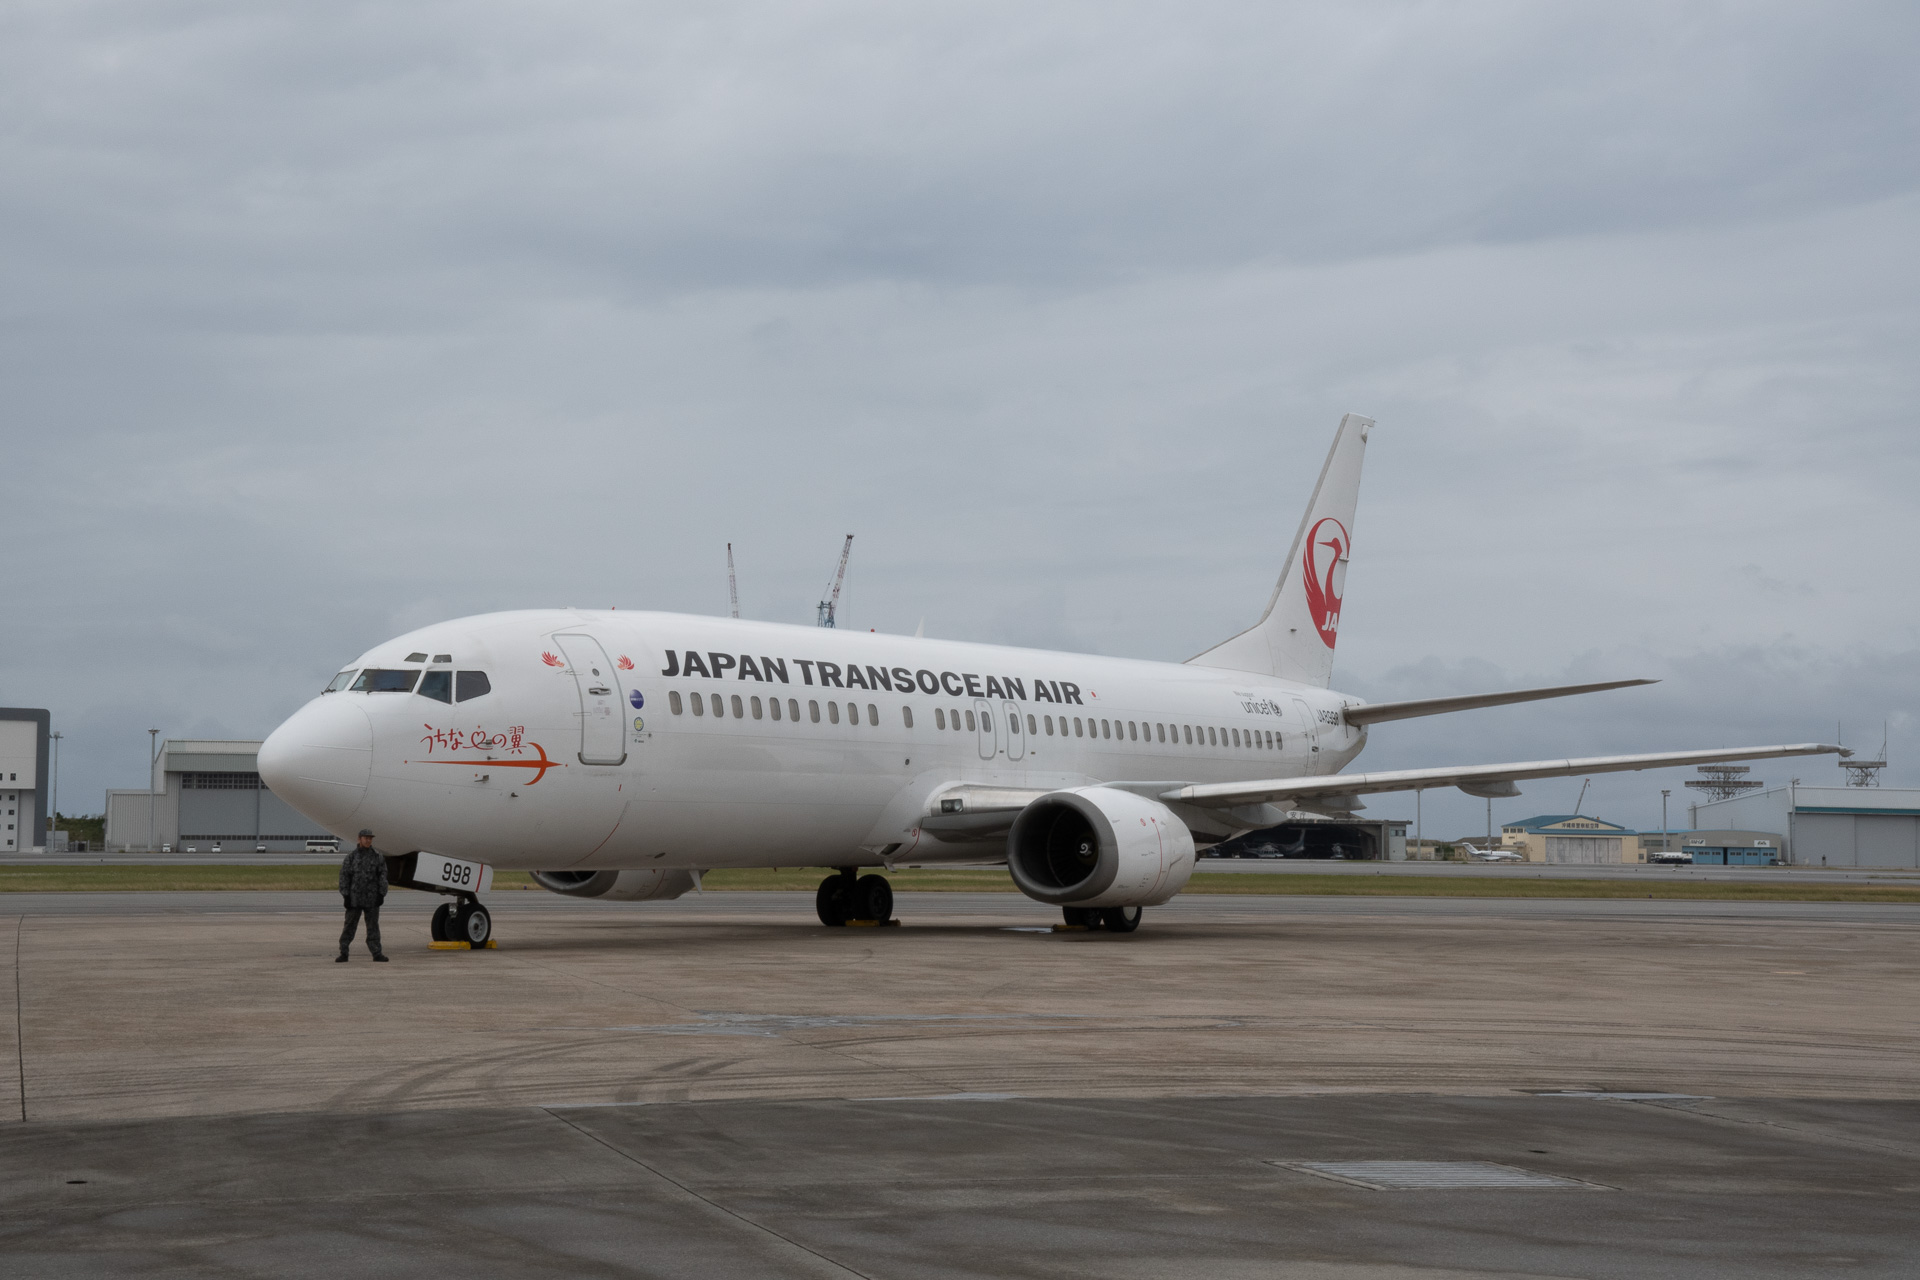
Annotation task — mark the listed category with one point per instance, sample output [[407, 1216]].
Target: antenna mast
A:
[[832, 602], [1866, 773], [733, 588], [1723, 781]]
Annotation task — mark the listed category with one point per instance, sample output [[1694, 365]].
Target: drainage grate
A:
[[1434, 1175]]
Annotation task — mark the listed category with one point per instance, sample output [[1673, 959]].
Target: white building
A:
[[23, 778], [206, 795], [1828, 826]]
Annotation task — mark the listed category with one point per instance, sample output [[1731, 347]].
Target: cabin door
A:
[[603, 725]]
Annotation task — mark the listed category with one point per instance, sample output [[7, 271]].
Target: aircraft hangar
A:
[[206, 796], [1828, 826]]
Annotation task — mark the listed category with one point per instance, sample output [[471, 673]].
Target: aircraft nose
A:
[[320, 759]]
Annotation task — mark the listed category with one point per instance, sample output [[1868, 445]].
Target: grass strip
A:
[[137, 878]]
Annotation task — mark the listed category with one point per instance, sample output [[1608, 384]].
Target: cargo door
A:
[[603, 738]]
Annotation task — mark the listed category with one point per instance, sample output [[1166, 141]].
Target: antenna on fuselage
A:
[[827, 607], [733, 588]]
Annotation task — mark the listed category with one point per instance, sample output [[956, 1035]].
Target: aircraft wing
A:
[[1485, 777]]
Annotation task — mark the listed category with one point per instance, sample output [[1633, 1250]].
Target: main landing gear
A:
[[847, 897], [463, 920], [1112, 919]]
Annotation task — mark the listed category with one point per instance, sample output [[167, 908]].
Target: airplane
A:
[[619, 756], [1490, 853]]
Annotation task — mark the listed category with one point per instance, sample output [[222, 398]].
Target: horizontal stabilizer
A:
[[1228, 795], [1375, 712]]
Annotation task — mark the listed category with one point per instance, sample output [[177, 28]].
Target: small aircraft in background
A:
[[1490, 854]]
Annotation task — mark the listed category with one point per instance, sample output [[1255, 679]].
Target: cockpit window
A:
[[473, 684], [437, 685], [374, 680], [341, 681]]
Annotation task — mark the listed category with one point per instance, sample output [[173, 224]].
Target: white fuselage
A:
[[810, 747]]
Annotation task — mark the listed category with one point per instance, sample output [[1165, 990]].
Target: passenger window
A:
[[375, 681], [673, 701], [953, 718], [1032, 728], [853, 713], [719, 707], [739, 712], [873, 715], [1236, 736], [939, 718], [833, 713], [1213, 739], [1105, 730], [1076, 727], [773, 705], [1047, 721], [972, 725], [471, 684], [1132, 732], [793, 710], [1162, 730], [437, 685], [756, 707], [699, 704], [340, 681], [906, 714], [813, 710]]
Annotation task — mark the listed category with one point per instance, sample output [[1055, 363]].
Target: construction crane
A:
[[832, 602], [732, 588]]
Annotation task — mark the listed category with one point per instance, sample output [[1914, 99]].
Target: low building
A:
[[1306, 835], [24, 738], [1827, 826], [1571, 838], [1731, 848], [207, 796]]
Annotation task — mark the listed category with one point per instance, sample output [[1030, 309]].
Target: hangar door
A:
[[1886, 840], [1585, 850]]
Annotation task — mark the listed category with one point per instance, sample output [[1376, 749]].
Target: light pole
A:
[[153, 757], [1666, 836], [54, 827]]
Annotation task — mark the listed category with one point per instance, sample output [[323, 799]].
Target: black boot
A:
[[341, 958], [379, 959]]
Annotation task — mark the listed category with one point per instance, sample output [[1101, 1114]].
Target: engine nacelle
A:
[[635, 884], [1099, 847]]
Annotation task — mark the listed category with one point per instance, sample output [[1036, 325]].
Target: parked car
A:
[[1670, 858]]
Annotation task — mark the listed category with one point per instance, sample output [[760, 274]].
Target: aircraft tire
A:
[[1120, 919], [1080, 917], [873, 899], [830, 901], [474, 926], [442, 926]]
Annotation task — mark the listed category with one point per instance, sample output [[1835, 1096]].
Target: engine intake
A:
[[635, 884], [1099, 847]]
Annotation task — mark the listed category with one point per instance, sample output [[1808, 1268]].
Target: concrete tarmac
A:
[[720, 1085]]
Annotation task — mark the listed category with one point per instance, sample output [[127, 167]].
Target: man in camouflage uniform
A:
[[363, 887]]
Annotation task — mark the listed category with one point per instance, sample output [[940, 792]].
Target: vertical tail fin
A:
[[1294, 638]]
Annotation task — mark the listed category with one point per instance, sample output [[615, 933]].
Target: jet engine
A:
[[636, 884], [1099, 847]]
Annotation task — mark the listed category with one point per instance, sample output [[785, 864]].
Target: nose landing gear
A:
[[463, 921]]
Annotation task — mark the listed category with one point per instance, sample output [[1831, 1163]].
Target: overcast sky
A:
[[324, 321]]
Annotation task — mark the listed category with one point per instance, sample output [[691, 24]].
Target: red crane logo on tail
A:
[[1323, 566]]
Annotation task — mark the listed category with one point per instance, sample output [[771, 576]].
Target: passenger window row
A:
[[1178, 734], [955, 718], [771, 708]]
